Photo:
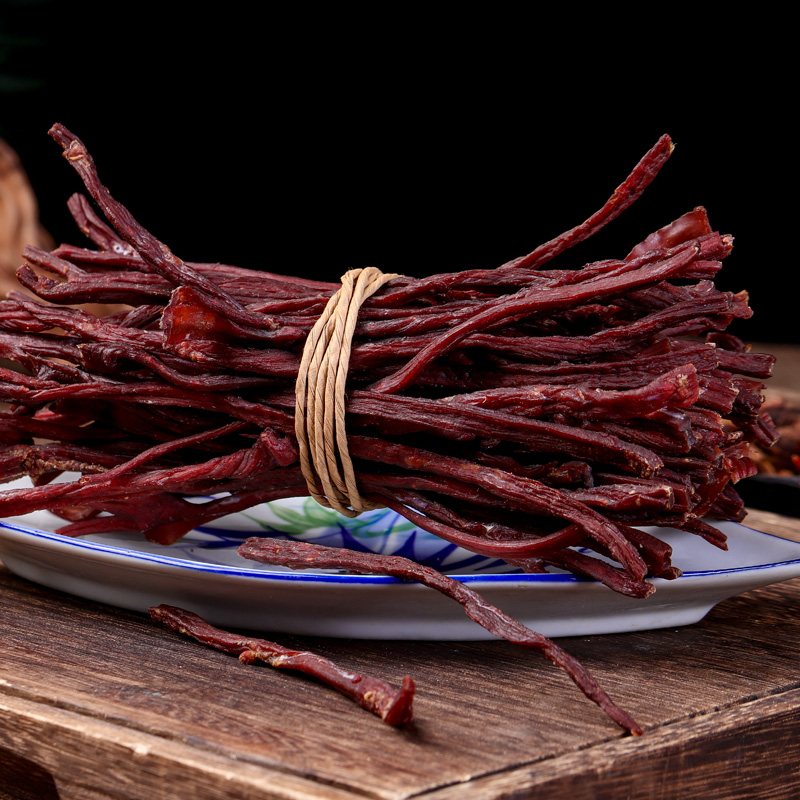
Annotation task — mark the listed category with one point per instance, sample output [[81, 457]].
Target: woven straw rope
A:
[[320, 391]]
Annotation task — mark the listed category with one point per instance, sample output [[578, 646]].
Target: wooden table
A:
[[96, 702]]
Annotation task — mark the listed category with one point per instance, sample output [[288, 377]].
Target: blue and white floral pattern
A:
[[379, 531]]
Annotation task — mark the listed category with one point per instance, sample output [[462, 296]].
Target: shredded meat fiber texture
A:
[[533, 413]]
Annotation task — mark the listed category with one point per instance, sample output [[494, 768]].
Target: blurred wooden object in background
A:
[[20, 226], [19, 218]]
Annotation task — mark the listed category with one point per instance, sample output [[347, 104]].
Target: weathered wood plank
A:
[[483, 707], [73, 756], [750, 751], [88, 691]]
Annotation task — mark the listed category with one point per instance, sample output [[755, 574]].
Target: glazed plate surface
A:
[[203, 573]]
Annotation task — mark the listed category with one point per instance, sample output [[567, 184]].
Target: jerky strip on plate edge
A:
[[394, 706], [303, 555]]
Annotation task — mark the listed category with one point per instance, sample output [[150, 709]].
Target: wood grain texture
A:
[[746, 752], [74, 756], [105, 703]]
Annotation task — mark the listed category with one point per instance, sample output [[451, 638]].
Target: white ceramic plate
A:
[[204, 574]]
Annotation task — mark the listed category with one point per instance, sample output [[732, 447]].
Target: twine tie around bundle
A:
[[320, 396]]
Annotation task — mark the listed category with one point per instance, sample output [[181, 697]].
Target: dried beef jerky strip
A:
[[531, 556], [187, 305], [115, 251], [158, 451], [640, 499], [615, 372], [615, 499], [22, 428], [706, 531], [484, 526], [677, 387], [400, 414], [685, 318], [394, 706], [659, 436], [624, 195], [762, 430], [80, 287], [84, 325], [302, 555], [443, 522], [94, 228], [210, 354], [156, 254], [516, 307], [680, 488], [446, 287], [267, 464], [526, 494], [691, 225], [756, 365], [579, 563], [728, 505], [165, 395], [657, 553], [54, 457], [164, 518], [105, 357], [255, 289]]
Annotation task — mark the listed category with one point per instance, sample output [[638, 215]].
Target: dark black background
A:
[[315, 144]]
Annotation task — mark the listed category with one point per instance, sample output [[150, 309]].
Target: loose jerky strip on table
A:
[[304, 555], [394, 706]]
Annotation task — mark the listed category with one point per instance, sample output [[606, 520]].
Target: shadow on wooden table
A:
[[16, 771]]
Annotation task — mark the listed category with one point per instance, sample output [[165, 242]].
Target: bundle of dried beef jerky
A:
[[534, 413]]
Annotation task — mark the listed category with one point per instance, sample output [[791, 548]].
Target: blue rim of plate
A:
[[349, 578]]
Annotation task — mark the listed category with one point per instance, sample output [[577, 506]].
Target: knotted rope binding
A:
[[319, 396]]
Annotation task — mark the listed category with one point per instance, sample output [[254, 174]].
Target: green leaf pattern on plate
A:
[[311, 516]]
